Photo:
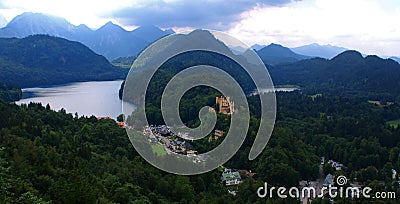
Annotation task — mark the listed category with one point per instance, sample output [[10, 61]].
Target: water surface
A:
[[98, 98]]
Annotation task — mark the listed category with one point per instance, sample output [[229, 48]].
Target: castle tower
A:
[[226, 106]]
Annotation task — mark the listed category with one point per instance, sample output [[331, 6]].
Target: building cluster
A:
[[231, 177], [336, 165], [173, 144]]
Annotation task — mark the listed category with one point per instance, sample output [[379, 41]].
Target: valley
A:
[[61, 91]]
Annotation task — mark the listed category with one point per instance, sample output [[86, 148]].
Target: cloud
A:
[[3, 21], [369, 28], [212, 14]]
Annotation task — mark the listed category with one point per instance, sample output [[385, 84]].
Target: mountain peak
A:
[[275, 45], [109, 23], [29, 23], [36, 19], [111, 27], [257, 47], [83, 27], [350, 56], [276, 54], [150, 32], [277, 49]]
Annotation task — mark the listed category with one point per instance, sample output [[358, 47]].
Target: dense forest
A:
[[58, 157], [347, 74], [9, 92], [45, 60], [55, 157], [311, 123]]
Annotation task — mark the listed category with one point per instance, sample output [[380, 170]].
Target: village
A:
[[174, 143], [164, 141]]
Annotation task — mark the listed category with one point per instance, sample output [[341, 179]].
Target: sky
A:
[[370, 26]]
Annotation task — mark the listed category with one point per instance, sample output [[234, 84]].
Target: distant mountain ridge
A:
[[316, 50], [397, 59], [110, 40], [45, 60], [277, 54], [348, 73], [257, 47]]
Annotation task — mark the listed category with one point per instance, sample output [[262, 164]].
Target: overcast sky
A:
[[370, 26]]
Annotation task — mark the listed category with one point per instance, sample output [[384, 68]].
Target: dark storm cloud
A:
[[191, 13]]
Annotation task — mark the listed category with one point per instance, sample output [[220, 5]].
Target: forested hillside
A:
[[44, 60], [58, 157], [9, 93], [347, 74]]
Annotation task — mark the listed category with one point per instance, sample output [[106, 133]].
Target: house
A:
[[230, 177], [121, 124], [328, 182], [218, 134], [191, 153], [232, 192], [336, 165]]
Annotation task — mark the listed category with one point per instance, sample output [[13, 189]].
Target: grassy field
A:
[[159, 150], [393, 123]]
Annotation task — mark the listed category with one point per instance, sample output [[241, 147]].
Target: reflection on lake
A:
[[276, 89], [98, 98]]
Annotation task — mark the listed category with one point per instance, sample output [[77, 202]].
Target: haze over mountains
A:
[[44, 60], [110, 40], [3, 21], [316, 50]]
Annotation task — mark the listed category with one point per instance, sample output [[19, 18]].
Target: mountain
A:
[[150, 33], [3, 21], [110, 40], [44, 60], [113, 41], [316, 50], [257, 47], [197, 41], [35, 23], [397, 59], [349, 73], [277, 54]]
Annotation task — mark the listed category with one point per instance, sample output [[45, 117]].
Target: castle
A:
[[226, 106]]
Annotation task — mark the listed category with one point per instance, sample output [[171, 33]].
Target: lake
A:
[[276, 89], [98, 98]]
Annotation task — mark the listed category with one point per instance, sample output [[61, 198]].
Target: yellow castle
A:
[[226, 106]]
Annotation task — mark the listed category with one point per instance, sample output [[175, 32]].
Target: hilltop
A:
[[45, 60]]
